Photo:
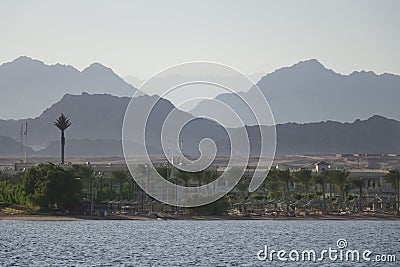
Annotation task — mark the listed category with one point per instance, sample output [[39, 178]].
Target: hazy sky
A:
[[142, 37]]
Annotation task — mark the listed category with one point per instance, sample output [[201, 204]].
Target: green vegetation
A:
[[50, 185], [78, 188], [217, 208], [43, 187], [304, 177], [13, 193]]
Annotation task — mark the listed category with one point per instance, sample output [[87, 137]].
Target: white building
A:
[[321, 166]]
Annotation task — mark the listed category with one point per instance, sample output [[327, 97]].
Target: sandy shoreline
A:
[[145, 217]]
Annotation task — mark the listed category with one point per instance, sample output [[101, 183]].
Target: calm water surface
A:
[[186, 243]]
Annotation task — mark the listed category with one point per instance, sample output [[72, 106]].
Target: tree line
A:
[[329, 185], [50, 185]]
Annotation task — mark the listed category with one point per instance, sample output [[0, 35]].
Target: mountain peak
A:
[[33, 85], [28, 62], [310, 64], [363, 73], [95, 66], [25, 60], [302, 68], [379, 118]]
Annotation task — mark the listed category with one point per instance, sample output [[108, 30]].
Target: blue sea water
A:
[[190, 243]]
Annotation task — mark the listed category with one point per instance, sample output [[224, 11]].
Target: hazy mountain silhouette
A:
[[309, 92], [374, 135], [29, 86], [11, 148], [86, 147], [377, 134], [97, 116], [97, 123], [100, 117]]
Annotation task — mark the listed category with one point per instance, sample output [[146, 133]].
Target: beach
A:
[[23, 217]]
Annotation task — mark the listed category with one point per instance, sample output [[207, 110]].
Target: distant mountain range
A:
[[304, 92], [99, 118], [31, 86], [376, 134], [309, 92], [93, 117], [97, 123]]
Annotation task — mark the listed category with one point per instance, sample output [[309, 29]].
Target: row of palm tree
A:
[[276, 186], [393, 177]]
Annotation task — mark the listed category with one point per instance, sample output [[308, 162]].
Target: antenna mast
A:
[[22, 143]]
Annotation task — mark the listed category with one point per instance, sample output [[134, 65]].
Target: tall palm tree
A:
[[330, 174], [340, 179], [62, 123], [183, 176], [393, 177], [163, 171], [273, 185], [204, 176], [197, 176], [242, 187], [322, 180], [121, 177], [359, 183], [304, 177], [142, 171], [85, 173], [209, 176], [286, 178]]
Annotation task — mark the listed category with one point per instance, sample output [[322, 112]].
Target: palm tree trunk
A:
[[341, 193], [341, 189], [62, 146], [396, 191], [324, 201], [307, 188]]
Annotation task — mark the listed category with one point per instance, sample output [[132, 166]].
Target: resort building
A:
[[321, 167]]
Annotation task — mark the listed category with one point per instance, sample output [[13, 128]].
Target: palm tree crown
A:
[[62, 122]]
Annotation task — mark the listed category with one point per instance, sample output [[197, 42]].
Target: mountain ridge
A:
[[292, 139], [308, 91], [32, 85], [100, 116]]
